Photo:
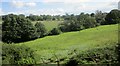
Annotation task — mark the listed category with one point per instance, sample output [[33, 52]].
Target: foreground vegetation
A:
[[12, 54]]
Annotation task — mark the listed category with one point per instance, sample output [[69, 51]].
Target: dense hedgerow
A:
[[95, 56]]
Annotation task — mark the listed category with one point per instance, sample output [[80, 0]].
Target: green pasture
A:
[[61, 45], [49, 24]]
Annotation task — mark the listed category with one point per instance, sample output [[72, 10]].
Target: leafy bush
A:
[[100, 17], [40, 29], [97, 55], [72, 62], [70, 25], [89, 22], [118, 51], [12, 54], [55, 31]]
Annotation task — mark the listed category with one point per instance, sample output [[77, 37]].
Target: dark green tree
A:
[[17, 29], [100, 17], [89, 22], [92, 15], [40, 30], [55, 31], [113, 17], [70, 25]]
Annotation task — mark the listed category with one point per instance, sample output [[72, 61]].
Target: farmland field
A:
[[49, 24], [61, 45]]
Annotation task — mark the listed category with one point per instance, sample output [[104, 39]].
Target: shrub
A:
[[70, 25], [118, 51], [96, 55], [72, 62], [40, 29], [12, 54], [55, 31], [90, 22]]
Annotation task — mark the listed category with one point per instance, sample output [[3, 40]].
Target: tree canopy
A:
[[17, 29], [113, 17], [40, 29]]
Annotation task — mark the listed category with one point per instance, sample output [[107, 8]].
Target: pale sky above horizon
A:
[[55, 7]]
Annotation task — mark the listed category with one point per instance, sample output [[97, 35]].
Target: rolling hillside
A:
[[61, 45]]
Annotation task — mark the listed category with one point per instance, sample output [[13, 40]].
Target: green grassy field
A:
[[83, 40], [49, 24]]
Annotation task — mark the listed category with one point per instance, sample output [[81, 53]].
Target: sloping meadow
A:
[[90, 46]]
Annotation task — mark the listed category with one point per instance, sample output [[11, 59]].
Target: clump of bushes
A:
[[40, 30], [118, 51], [72, 62], [95, 56], [55, 31], [70, 25], [12, 54]]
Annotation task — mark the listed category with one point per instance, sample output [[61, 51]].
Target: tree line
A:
[[19, 28], [43, 17], [83, 21]]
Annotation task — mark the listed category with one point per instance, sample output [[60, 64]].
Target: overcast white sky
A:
[[56, 7]]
